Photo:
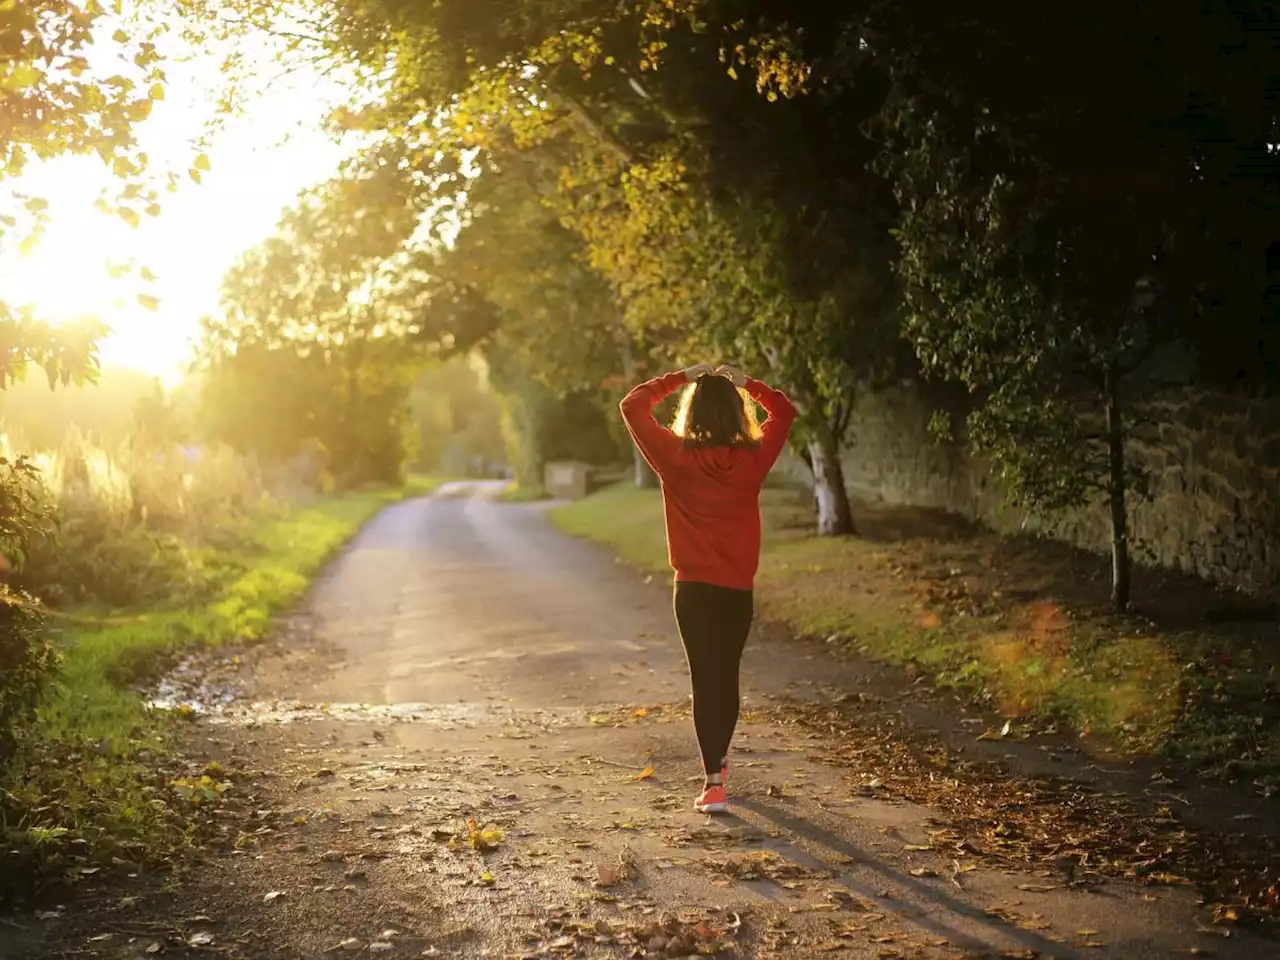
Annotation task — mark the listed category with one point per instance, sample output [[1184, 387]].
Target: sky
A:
[[258, 165]]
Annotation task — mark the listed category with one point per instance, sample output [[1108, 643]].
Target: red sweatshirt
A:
[[710, 495]]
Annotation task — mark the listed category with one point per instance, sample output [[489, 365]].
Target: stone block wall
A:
[[1214, 461]]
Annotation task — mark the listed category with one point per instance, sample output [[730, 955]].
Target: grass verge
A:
[[515, 493], [89, 790], [1018, 624]]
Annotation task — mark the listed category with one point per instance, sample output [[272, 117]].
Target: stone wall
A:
[[1214, 461]]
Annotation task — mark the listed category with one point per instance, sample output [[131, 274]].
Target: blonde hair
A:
[[715, 413]]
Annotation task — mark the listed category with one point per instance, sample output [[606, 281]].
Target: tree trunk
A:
[[835, 518], [1120, 563], [807, 457], [644, 475], [645, 478]]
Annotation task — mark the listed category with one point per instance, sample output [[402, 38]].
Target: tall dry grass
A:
[[134, 522]]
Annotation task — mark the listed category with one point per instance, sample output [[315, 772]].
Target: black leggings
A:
[[713, 623]]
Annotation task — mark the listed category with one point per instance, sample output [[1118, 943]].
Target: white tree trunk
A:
[[645, 477], [835, 518]]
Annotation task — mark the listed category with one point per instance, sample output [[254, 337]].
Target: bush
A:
[[131, 524], [26, 656], [27, 659]]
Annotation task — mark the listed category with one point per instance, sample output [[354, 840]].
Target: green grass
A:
[[1005, 622], [106, 794], [515, 493], [267, 570]]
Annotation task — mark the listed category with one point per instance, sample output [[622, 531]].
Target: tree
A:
[[456, 417], [1053, 220], [322, 310], [53, 103], [646, 175], [760, 228], [560, 333]]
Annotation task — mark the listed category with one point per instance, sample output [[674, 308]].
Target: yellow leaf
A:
[[487, 879], [129, 216], [21, 76], [120, 37], [202, 162], [147, 274], [153, 210], [644, 774], [148, 301], [733, 74], [156, 92], [194, 174]]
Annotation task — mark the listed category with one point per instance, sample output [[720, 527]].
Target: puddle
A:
[[197, 685], [214, 689], [452, 716]]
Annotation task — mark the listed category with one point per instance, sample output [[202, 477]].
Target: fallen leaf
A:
[[273, 895], [487, 879], [200, 939], [644, 774]]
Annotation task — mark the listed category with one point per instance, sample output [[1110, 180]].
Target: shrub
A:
[[130, 523], [26, 656]]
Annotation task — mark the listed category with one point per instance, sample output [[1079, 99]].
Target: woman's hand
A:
[[697, 370], [733, 373]]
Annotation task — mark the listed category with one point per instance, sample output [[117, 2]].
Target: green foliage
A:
[[27, 659], [104, 412], [541, 425], [59, 102], [1035, 231], [56, 103], [88, 785], [26, 655], [456, 418], [1032, 277], [1200, 697], [320, 327]]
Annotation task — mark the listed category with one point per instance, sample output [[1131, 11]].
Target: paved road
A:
[[462, 660]]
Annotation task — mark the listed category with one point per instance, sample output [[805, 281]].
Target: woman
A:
[[712, 463]]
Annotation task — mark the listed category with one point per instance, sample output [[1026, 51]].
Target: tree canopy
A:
[[839, 198]]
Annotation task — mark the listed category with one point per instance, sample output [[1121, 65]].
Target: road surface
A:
[[462, 661]]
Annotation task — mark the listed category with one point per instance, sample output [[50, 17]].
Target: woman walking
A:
[[712, 463]]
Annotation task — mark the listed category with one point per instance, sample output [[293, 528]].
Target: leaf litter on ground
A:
[[1075, 834]]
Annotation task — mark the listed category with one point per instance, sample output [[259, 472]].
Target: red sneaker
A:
[[713, 799]]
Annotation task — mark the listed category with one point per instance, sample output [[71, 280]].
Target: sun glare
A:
[[258, 165]]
